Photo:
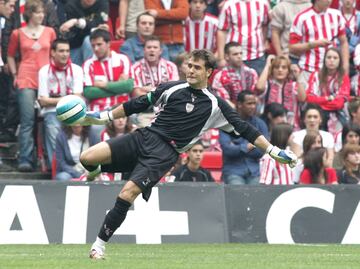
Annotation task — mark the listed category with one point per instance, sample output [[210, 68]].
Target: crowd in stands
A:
[[289, 67]]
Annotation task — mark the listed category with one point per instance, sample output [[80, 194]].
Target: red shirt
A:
[[330, 174]]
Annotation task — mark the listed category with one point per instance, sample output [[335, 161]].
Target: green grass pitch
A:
[[182, 256]]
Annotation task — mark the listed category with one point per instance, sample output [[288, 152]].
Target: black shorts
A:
[[145, 155]]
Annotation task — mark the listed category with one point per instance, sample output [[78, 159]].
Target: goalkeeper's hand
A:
[[96, 118], [282, 156]]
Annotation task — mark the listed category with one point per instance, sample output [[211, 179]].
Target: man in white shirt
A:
[[57, 79]]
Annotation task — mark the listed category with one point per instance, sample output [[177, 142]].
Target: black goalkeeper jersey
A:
[[186, 113]]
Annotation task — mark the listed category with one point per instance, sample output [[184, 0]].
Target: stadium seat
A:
[[213, 162], [53, 167], [115, 45]]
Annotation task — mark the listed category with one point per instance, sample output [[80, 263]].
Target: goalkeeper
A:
[[187, 109]]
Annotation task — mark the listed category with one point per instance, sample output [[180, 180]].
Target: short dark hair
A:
[[152, 38], [31, 6], [242, 94], [58, 41], [312, 106], [230, 45], [353, 106], [145, 13], [104, 34], [205, 55]]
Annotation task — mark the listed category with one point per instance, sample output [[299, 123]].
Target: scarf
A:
[[54, 83], [149, 77]]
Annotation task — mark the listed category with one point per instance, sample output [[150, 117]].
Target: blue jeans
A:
[[51, 129], [63, 176], [257, 64], [241, 180], [174, 50], [26, 99], [81, 54]]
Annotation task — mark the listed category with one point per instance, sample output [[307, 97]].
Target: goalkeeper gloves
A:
[[96, 118], [282, 156]]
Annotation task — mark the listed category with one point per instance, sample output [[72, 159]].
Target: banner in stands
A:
[[46, 212]]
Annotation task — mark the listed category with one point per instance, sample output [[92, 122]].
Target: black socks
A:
[[113, 219]]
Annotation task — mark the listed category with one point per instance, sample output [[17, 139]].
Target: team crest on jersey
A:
[[189, 107]]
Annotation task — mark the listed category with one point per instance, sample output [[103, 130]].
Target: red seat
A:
[[115, 45], [212, 161]]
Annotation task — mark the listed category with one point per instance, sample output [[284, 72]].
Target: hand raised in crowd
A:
[[295, 71], [66, 26], [269, 60], [120, 32], [153, 12]]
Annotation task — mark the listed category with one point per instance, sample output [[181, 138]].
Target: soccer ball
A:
[[70, 109]]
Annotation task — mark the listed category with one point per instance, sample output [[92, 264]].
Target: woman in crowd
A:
[[350, 135], [330, 89], [350, 173], [271, 171], [32, 44], [279, 87], [318, 168], [312, 121], [70, 142], [312, 140]]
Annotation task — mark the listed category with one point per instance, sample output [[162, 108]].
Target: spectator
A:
[[330, 89], [8, 106], [241, 158], [82, 17], [133, 47], [235, 76], [107, 76], [192, 171], [214, 6], [355, 79], [271, 171], [312, 121], [350, 135], [115, 128], [317, 168], [282, 17], [312, 140], [169, 17], [354, 110], [149, 72], [352, 24], [70, 142], [350, 173], [312, 33], [33, 43], [276, 81], [181, 62], [50, 19], [244, 22], [273, 115], [129, 10], [200, 27], [58, 78]]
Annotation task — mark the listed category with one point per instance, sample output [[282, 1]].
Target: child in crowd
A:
[[350, 156], [317, 168], [277, 83], [271, 171], [312, 140]]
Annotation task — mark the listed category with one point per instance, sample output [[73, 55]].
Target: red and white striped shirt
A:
[[351, 21], [309, 26], [22, 9], [244, 20], [145, 75], [201, 34], [274, 173], [109, 69], [229, 82]]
